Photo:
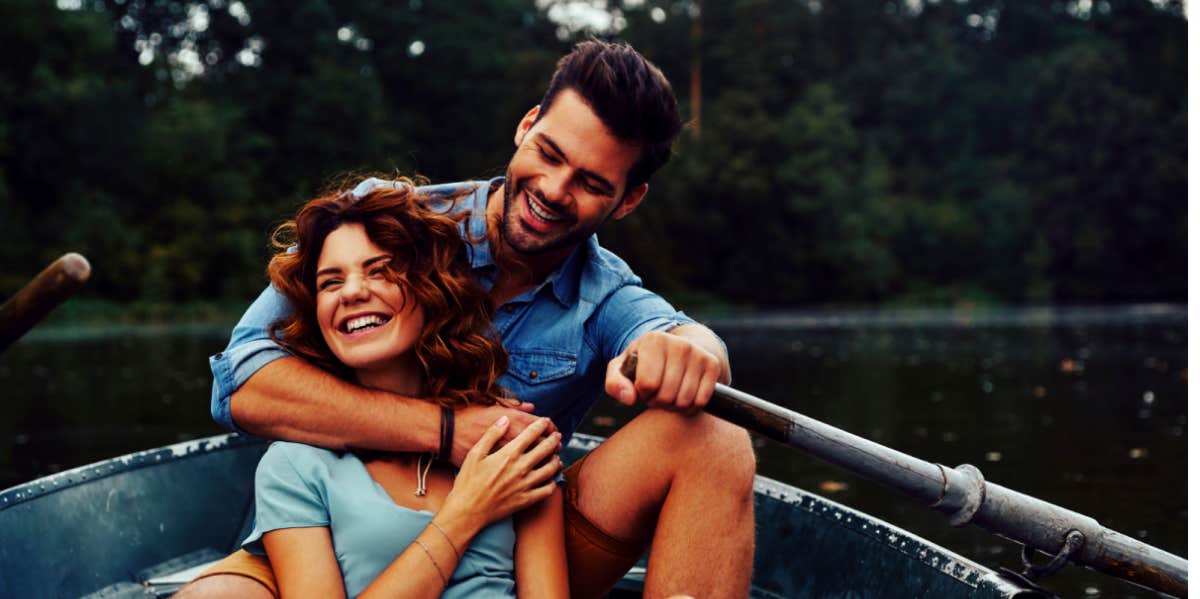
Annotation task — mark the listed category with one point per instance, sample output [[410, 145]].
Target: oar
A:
[[961, 493], [41, 295]]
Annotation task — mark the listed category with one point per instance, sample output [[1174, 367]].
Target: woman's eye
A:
[[377, 272], [328, 284]]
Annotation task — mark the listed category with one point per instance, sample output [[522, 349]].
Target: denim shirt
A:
[[559, 335]]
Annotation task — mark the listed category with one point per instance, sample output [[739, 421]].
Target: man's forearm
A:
[[293, 400]]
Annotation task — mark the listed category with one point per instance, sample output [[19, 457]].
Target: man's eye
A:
[[592, 189], [547, 157]]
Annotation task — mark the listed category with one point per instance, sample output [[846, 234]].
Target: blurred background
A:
[[956, 227]]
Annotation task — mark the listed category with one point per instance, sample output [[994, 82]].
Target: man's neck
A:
[[519, 272]]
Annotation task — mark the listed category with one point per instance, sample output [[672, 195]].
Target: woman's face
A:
[[362, 315]]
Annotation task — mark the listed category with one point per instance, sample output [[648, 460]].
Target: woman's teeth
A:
[[364, 322], [538, 212]]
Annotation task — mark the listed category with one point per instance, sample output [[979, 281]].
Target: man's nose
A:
[[554, 186]]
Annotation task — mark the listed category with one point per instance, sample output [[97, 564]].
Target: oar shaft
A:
[[960, 492], [36, 299]]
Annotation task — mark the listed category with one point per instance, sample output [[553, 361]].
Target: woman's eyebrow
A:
[[331, 270], [376, 260]]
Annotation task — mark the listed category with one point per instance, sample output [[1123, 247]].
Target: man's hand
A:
[[471, 422], [674, 372]]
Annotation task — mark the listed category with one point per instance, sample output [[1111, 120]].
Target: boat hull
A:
[[142, 524]]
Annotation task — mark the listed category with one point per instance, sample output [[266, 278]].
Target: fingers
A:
[[488, 440], [544, 472], [540, 492], [516, 404], [522, 441], [672, 373], [616, 385], [548, 446]]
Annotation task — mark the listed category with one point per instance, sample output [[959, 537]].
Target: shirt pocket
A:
[[539, 366]]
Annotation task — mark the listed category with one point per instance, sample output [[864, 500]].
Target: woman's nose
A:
[[355, 289]]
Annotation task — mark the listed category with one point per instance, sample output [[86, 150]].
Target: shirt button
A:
[[533, 374], [508, 308]]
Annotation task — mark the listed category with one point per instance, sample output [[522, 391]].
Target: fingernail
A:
[[503, 421]]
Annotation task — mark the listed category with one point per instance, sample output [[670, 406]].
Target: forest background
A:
[[847, 152]]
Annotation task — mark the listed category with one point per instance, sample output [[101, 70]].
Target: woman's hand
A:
[[491, 486]]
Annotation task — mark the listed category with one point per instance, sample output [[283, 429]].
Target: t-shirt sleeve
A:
[[629, 313], [288, 492]]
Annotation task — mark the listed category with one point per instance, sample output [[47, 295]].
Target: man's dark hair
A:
[[629, 95]]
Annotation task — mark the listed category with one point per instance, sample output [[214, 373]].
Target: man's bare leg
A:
[[690, 479], [224, 586]]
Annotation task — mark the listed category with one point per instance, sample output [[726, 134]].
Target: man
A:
[[569, 313]]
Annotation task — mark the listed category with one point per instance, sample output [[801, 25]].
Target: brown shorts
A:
[[595, 560]]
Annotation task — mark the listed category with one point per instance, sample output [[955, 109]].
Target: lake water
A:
[[1086, 408]]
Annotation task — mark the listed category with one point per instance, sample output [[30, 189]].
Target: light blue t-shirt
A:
[[559, 335], [299, 485]]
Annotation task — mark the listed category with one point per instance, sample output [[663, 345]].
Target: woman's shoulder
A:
[[300, 457]]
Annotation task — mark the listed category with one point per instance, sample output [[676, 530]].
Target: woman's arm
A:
[[304, 562], [541, 560]]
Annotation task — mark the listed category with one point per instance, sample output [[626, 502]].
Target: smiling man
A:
[[569, 312]]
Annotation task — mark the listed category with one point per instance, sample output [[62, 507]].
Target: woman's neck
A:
[[402, 377]]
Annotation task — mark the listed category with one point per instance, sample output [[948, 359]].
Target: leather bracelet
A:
[[447, 445]]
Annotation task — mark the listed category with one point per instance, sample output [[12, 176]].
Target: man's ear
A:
[[525, 124], [632, 198]]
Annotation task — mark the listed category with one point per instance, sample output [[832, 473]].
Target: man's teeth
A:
[[538, 212], [364, 322]]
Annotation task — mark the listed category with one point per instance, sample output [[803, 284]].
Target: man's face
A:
[[566, 178]]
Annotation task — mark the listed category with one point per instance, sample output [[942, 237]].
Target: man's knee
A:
[[705, 442], [224, 586]]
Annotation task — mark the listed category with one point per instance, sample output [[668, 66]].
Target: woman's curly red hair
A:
[[458, 350]]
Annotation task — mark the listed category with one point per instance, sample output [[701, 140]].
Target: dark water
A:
[[1083, 408]]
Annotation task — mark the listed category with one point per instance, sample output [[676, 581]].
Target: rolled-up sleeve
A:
[[250, 348], [629, 313]]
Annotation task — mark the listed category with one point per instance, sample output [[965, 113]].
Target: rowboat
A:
[[144, 524]]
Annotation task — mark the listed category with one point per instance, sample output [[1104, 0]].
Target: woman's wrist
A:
[[458, 525]]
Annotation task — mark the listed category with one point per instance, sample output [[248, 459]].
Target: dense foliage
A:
[[847, 151]]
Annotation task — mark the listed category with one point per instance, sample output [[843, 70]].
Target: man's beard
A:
[[522, 241]]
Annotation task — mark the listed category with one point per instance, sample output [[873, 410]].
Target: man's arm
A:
[[263, 390], [679, 360]]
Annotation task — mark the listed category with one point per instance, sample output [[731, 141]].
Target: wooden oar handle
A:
[[41, 295]]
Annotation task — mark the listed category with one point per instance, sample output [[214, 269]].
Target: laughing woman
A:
[[382, 294]]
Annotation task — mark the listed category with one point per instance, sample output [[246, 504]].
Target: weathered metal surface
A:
[[90, 528], [120, 528], [962, 493], [35, 300]]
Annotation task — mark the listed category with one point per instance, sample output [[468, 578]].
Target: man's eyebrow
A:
[[597, 180]]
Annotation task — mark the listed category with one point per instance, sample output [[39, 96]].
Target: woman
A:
[[382, 294]]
